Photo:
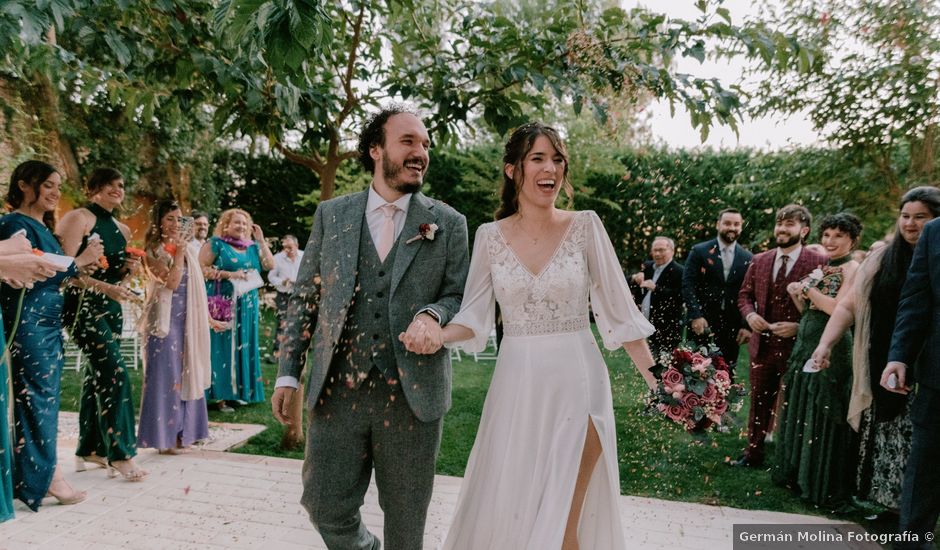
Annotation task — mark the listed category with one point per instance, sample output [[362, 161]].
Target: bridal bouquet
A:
[[694, 390]]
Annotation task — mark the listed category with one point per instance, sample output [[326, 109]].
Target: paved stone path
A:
[[213, 500]]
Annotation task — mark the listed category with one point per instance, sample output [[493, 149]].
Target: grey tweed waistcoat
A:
[[366, 340]]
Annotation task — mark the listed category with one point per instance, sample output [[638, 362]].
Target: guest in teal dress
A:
[[816, 449], [19, 264], [32, 320], [6, 450], [230, 256]]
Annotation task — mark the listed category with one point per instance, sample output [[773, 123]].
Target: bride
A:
[[548, 419]]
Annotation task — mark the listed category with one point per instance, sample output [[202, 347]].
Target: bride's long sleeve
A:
[[478, 308], [617, 317]]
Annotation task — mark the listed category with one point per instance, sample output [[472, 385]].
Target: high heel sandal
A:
[[80, 461], [73, 498], [134, 474]]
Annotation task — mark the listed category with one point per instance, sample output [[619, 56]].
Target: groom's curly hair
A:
[[374, 132]]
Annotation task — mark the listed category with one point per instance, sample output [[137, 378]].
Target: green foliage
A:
[[469, 181], [874, 86], [270, 189]]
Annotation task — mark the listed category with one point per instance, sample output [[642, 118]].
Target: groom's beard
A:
[[392, 172]]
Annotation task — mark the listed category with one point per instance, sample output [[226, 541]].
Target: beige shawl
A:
[[197, 360], [861, 397]]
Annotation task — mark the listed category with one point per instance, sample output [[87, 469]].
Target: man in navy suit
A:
[[658, 291], [917, 331], [711, 282]]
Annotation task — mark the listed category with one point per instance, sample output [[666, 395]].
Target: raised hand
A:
[[93, 250], [699, 325], [117, 293], [256, 233], [22, 270], [17, 244]]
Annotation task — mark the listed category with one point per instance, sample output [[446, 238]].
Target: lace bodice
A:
[[555, 300], [584, 269]]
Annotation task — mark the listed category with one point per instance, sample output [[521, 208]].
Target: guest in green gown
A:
[[232, 256], [94, 314], [816, 450]]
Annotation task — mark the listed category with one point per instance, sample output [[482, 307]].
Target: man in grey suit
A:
[[382, 266]]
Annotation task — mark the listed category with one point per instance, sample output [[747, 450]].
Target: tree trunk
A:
[[328, 179], [924, 157]]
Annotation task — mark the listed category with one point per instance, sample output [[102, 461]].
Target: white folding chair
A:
[[488, 354]]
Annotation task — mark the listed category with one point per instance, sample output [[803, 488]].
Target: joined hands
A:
[[424, 335]]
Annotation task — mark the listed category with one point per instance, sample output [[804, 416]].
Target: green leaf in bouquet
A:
[[697, 386], [657, 370]]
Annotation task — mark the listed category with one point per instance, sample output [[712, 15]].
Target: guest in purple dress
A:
[[175, 323]]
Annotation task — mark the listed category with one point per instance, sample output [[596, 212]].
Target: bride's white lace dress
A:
[[549, 379]]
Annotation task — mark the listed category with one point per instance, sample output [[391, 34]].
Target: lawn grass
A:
[[657, 458]]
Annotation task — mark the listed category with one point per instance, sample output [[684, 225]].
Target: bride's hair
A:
[[518, 146]]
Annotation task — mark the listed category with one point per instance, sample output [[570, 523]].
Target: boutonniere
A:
[[426, 231]]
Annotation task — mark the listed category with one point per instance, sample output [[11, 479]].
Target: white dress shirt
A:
[[376, 219], [285, 271], [793, 255]]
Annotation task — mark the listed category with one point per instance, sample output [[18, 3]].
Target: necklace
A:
[[526, 234]]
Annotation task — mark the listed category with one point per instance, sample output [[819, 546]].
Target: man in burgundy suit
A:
[[774, 318]]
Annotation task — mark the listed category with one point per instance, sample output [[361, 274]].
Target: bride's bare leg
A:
[[590, 454]]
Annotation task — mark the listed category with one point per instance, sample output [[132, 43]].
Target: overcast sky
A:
[[677, 132]]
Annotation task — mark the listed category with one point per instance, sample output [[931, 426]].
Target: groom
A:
[[379, 263]]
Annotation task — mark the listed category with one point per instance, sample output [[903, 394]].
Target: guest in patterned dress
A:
[[177, 361], [95, 317], [232, 255], [816, 449], [882, 418]]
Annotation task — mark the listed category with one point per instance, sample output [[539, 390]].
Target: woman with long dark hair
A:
[[94, 313], [548, 419], [175, 325], [881, 417], [32, 319]]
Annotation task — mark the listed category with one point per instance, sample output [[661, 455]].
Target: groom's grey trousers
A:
[[362, 420]]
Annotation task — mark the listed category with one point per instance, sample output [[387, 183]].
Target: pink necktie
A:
[[387, 232]]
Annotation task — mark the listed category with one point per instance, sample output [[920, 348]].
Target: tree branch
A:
[[351, 100], [312, 163]]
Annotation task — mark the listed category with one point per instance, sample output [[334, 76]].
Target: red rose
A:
[[681, 356], [672, 377], [710, 394], [721, 408], [719, 362], [722, 376], [676, 413], [691, 400]]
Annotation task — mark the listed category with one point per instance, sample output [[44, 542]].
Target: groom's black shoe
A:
[[745, 462]]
